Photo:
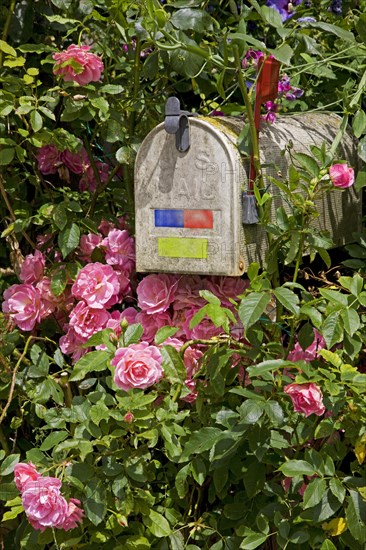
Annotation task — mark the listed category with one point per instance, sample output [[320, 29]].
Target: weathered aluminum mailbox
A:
[[189, 180]]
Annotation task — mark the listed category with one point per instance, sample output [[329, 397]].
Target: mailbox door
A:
[[188, 207]]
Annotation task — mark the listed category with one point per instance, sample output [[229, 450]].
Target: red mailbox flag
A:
[[266, 90]]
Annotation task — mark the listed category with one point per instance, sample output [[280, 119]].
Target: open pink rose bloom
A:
[[306, 398], [78, 64]]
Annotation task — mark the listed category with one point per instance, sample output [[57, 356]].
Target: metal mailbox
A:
[[189, 179]]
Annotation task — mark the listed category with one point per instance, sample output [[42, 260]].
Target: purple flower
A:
[[286, 90], [284, 8], [271, 109], [252, 56]]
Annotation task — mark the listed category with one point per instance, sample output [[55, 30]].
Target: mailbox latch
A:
[[176, 122]]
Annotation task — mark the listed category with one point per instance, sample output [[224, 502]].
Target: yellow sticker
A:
[[175, 247]]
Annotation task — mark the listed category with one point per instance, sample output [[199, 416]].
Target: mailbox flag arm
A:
[[266, 90]]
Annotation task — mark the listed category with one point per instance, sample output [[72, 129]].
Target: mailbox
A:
[[189, 180]]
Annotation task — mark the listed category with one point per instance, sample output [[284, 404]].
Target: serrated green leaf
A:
[[163, 333], [328, 545], [293, 468], [356, 516], [59, 281], [133, 334], [53, 439], [253, 540], [338, 489], [314, 492], [308, 163], [252, 307], [332, 329], [200, 441], [7, 466], [68, 239], [6, 156], [288, 299], [210, 297], [94, 361], [36, 121], [6, 48], [173, 366], [351, 321], [157, 524]]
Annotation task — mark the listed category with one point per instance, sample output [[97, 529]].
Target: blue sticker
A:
[[169, 218]]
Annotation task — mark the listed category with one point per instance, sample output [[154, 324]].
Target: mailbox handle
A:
[[176, 122]]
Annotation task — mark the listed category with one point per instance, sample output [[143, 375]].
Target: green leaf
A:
[[359, 123], [8, 491], [181, 483], [94, 503], [191, 19], [209, 297], [283, 53], [351, 321], [253, 541], [250, 411], [163, 333], [198, 470], [59, 281], [356, 516], [252, 307], [186, 63], [314, 492], [36, 121], [94, 361], [6, 156], [293, 468], [53, 439], [40, 362], [68, 239], [271, 16], [332, 329], [173, 366], [338, 489], [6, 48], [267, 366], [353, 284], [308, 163], [7, 466], [113, 89], [13, 513], [328, 545], [157, 524], [132, 334], [333, 29], [288, 299], [200, 441], [334, 296], [59, 216]]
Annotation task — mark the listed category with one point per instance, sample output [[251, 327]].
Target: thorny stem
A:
[[250, 117], [13, 379], [100, 188]]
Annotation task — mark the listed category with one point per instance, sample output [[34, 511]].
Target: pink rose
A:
[[156, 292], [88, 243], [49, 159], [226, 287], [138, 366], [97, 284], [203, 331], [86, 321], [310, 353], [32, 268], [72, 344], [23, 473], [120, 249], [306, 398], [342, 175], [23, 304], [152, 323], [78, 64], [43, 503], [89, 182], [78, 162], [187, 293], [74, 515]]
